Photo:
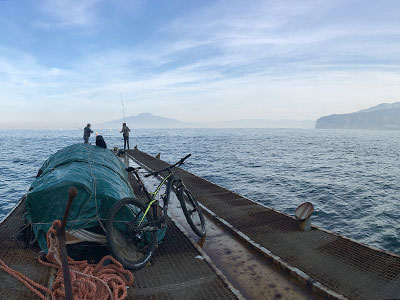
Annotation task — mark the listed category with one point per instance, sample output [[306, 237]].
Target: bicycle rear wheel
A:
[[130, 239], [192, 212]]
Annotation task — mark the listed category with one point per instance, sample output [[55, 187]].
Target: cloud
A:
[[67, 13], [84, 14], [281, 31], [267, 59]]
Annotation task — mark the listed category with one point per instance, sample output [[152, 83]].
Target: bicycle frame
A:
[[142, 223], [169, 181]]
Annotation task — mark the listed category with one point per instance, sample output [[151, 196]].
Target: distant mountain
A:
[[382, 106], [147, 120], [382, 116]]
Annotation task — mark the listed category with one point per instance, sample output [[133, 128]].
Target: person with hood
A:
[[100, 142], [86, 133], [125, 133]]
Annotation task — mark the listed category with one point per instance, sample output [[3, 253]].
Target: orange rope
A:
[[30, 284], [88, 281]]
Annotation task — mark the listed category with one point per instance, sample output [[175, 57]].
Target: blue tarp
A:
[[97, 173]]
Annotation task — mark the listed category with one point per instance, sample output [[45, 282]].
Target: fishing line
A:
[[123, 108]]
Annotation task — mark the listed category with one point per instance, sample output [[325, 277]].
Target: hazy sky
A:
[[66, 62]]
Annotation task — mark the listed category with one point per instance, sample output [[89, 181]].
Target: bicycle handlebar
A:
[[132, 169], [185, 158], [180, 162]]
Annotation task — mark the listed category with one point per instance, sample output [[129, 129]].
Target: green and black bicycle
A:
[[132, 226]]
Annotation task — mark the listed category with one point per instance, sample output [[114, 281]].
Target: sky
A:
[[65, 63]]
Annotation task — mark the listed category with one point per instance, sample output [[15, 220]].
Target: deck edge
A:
[[12, 210]]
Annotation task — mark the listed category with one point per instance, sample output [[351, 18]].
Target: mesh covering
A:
[[99, 177]]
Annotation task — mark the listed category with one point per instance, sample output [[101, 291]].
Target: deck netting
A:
[[13, 253], [176, 272], [342, 265]]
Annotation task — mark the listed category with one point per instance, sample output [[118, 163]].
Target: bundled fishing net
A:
[[98, 175]]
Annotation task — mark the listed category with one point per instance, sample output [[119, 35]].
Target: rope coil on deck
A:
[[89, 281]]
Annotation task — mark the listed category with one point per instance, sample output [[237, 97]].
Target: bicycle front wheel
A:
[[192, 212], [131, 237]]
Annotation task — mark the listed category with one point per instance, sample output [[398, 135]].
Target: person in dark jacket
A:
[[86, 133], [100, 141], [125, 133]]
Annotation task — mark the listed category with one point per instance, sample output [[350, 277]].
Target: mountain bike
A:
[[132, 226]]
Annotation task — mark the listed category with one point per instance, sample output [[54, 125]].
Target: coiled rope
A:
[[89, 281]]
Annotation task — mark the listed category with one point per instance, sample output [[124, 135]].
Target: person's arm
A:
[[91, 131]]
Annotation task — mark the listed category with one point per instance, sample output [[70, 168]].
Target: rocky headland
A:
[[382, 116]]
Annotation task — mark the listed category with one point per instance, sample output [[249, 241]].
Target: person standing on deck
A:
[[125, 133], [86, 133]]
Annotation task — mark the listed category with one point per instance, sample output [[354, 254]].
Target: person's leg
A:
[[86, 140], [127, 141], [124, 142]]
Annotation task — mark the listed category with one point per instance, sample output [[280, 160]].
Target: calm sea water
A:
[[351, 177]]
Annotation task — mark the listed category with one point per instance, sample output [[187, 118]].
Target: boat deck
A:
[[13, 253], [178, 274], [179, 270], [335, 266]]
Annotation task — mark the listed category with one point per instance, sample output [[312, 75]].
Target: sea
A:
[[350, 176]]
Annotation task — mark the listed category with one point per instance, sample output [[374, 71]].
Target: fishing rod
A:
[[123, 108]]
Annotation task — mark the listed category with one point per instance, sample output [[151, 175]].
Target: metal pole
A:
[[72, 192]]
